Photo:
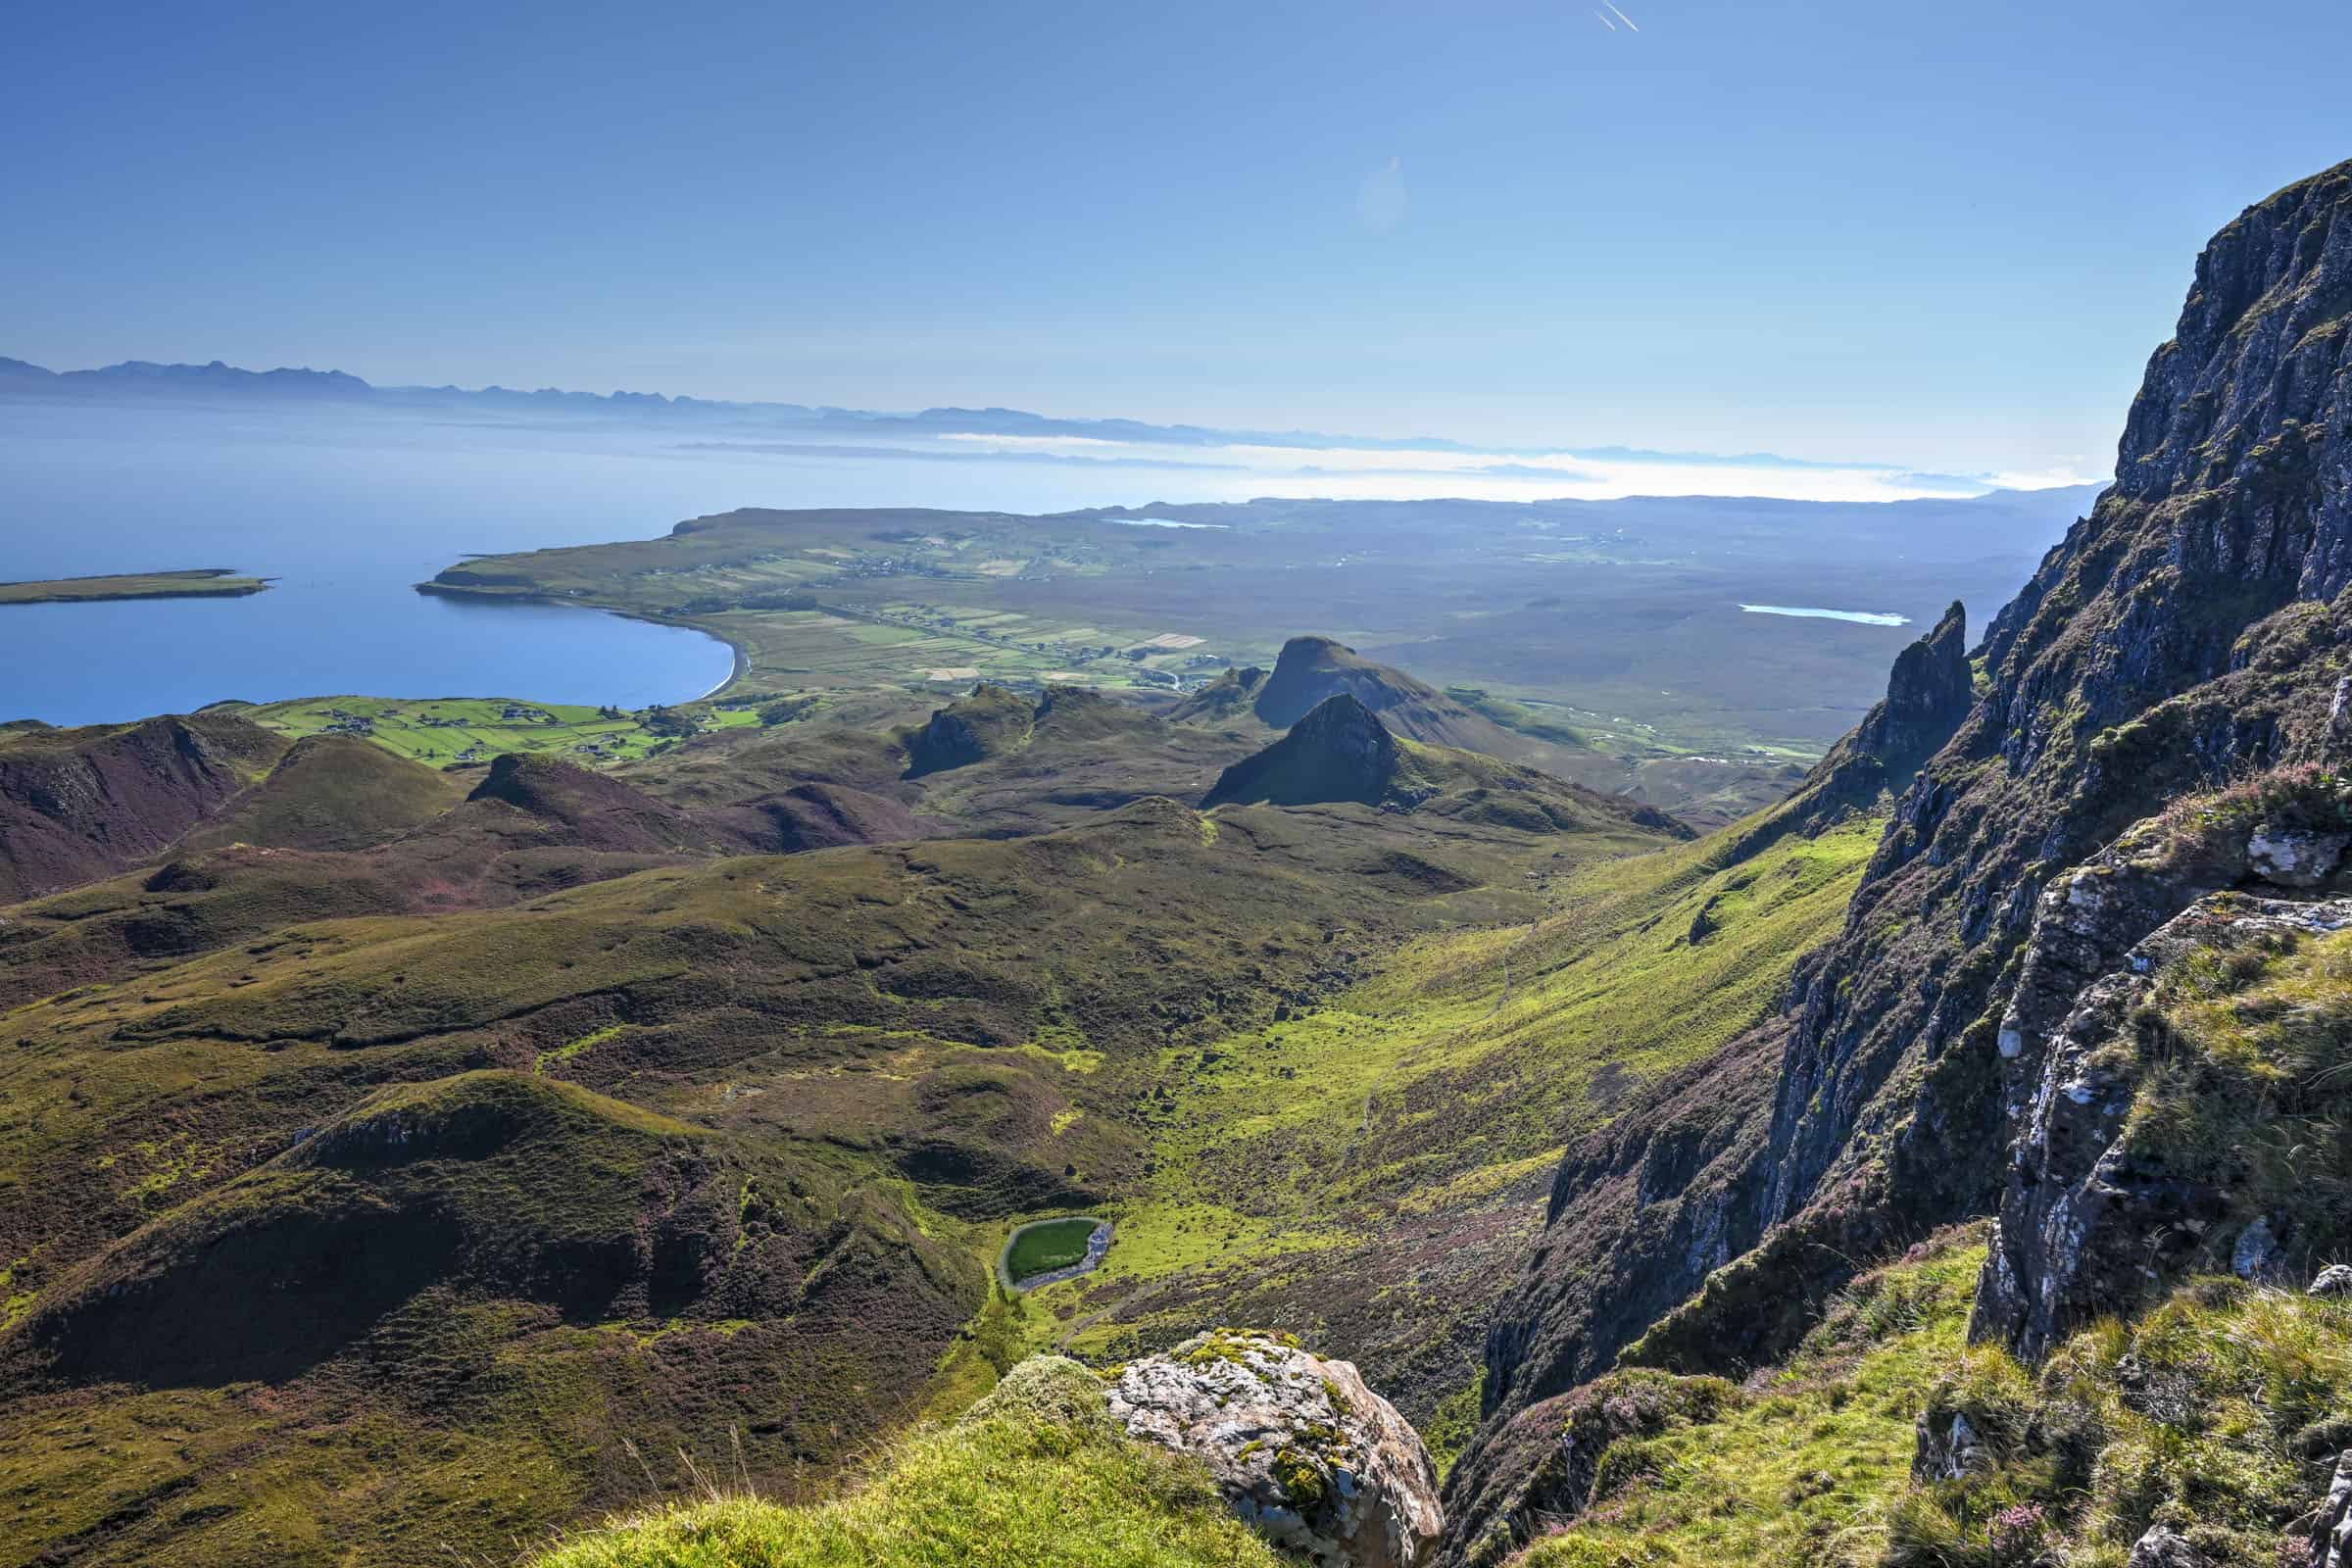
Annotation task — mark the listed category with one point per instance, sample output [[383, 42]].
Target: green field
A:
[[1626, 645], [208, 582], [445, 731], [1047, 1245]]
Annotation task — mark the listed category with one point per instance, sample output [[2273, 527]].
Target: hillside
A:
[[626, 1112], [1942, 1165], [2176, 664], [77, 803]]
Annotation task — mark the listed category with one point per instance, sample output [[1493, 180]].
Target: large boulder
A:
[[1299, 1446]]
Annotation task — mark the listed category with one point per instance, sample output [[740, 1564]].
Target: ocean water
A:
[[347, 515]]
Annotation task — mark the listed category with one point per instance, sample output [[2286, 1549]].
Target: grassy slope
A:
[[1037, 1477], [506, 1295], [886, 1007], [1403, 1136], [1794, 1470], [203, 584], [332, 792], [2219, 1412]]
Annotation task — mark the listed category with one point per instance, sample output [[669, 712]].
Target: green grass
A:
[[440, 731], [1290, 1160], [1046, 1245], [213, 582], [1792, 1470], [1471, 1055], [1037, 1477], [2220, 1413], [2242, 1079]]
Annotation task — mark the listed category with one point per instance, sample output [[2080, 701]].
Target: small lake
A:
[[1865, 617], [1046, 1252]]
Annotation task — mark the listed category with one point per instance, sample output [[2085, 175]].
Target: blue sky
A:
[[1935, 235]]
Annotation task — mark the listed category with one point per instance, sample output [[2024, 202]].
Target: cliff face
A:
[[2194, 628]]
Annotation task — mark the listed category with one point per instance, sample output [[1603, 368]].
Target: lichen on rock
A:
[[1299, 1446]]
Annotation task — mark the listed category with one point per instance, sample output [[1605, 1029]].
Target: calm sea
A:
[[347, 515]]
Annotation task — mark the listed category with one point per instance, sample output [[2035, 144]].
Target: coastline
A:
[[740, 671]]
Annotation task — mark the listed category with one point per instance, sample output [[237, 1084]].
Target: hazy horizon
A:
[[1296, 462], [1942, 243]]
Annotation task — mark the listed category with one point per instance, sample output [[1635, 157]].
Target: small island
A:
[[204, 582]]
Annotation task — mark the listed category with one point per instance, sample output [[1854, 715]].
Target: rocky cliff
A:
[[2193, 630]]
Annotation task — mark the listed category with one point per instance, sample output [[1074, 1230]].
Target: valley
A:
[[322, 945], [1652, 1033]]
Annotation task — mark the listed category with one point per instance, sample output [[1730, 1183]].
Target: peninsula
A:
[[205, 582]]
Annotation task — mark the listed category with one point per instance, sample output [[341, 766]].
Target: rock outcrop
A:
[[1542, 1465], [2331, 1525], [2096, 1215], [2163, 1546], [1929, 693], [1311, 670], [992, 721], [1299, 1446], [1338, 751], [2194, 628]]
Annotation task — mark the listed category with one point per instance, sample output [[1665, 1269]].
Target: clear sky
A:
[[1939, 234]]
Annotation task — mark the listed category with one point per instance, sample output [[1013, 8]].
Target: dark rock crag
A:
[[1337, 751], [992, 721], [2195, 626], [2091, 1219]]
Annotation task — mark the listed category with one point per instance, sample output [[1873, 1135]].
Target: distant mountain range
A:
[[144, 382]]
